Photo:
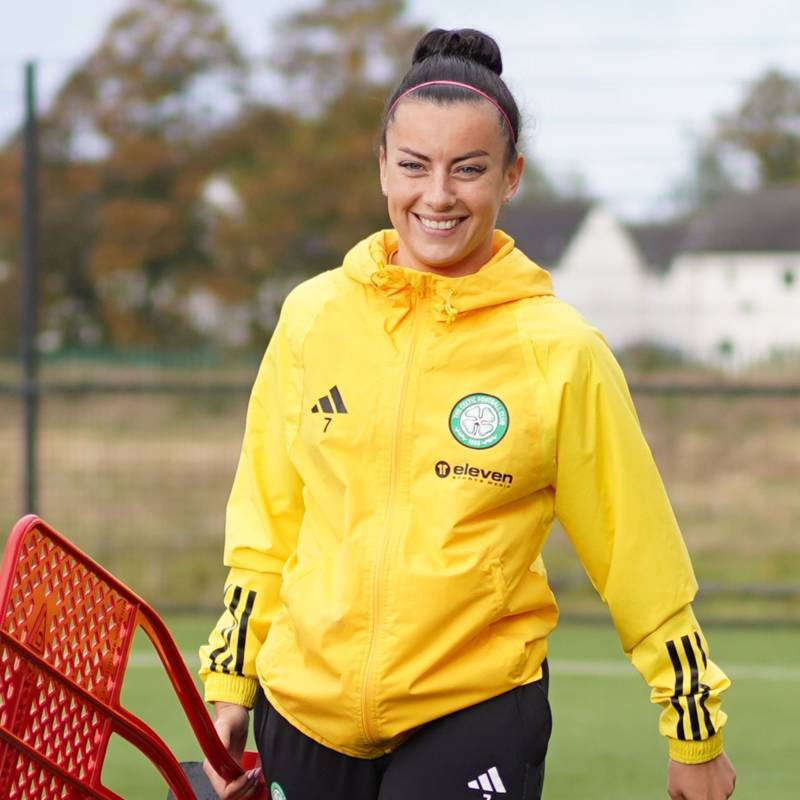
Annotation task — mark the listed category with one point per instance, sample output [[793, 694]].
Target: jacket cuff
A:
[[231, 689], [695, 752]]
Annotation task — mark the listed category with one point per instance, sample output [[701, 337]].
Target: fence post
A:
[[30, 283]]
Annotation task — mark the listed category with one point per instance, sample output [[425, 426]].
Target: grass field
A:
[[604, 744]]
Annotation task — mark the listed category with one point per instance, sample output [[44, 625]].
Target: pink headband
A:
[[462, 86]]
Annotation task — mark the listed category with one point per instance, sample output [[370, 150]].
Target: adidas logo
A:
[[488, 783], [324, 405]]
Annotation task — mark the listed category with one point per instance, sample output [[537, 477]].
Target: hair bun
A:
[[463, 43]]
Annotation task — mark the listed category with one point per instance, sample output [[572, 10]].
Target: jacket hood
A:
[[509, 275]]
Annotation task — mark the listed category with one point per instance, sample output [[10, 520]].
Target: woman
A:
[[421, 416]]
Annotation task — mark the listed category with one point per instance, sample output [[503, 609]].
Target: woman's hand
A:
[[713, 780], [232, 724]]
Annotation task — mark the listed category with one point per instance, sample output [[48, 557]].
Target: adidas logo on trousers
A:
[[488, 783]]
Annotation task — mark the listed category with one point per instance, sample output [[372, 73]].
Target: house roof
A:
[[543, 229], [765, 221], [659, 242]]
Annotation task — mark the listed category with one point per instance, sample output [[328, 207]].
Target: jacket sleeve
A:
[[263, 518], [613, 506]]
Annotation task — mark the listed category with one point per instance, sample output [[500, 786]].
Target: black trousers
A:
[[494, 750]]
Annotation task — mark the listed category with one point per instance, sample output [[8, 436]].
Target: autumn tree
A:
[[124, 148], [9, 252], [304, 176], [343, 48], [341, 59]]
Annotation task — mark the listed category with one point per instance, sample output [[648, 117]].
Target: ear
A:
[[513, 177], [382, 169]]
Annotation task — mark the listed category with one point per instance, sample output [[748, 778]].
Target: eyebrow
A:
[[422, 157]]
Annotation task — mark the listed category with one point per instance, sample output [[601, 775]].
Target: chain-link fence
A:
[[135, 467]]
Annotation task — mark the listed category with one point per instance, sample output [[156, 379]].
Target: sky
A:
[[616, 93]]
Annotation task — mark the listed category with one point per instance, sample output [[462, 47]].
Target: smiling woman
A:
[[448, 157], [443, 170], [421, 416]]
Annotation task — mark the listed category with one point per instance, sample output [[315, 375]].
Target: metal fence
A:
[[135, 465]]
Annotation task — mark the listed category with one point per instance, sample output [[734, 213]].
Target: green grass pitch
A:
[[604, 745]]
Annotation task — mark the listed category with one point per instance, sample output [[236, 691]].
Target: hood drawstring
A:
[[449, 309], [378, 278], [395, 285]]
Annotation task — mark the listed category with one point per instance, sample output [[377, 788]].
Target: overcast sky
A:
[[615, 91]]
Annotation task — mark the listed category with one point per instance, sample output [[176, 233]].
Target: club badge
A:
[[479, 421]]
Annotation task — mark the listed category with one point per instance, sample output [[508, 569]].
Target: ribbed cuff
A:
[[230, 689], [695, 752]]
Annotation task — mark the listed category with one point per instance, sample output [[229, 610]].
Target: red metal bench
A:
[[66, 629]]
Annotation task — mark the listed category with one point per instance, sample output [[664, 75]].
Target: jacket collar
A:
[[508, 276]]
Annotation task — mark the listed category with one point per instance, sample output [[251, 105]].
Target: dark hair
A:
[[465, 56]]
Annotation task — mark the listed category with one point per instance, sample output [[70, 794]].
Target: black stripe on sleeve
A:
[[702, 651], [242, 638], [675, 699], [227, 634], [325, 405], [704, 690], [226, 664], [694, 689]]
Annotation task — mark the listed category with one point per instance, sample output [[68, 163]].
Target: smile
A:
[[439, 224]]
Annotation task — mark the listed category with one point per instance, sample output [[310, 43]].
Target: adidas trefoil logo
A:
[[324, 405], [488, 782]]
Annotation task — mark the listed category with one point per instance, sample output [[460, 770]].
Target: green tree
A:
[[766, 126], [708, 181], [755, 145]]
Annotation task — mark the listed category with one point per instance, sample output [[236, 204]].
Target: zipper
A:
[[377, 584]]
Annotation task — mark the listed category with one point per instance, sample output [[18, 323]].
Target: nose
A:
[[440, 193]]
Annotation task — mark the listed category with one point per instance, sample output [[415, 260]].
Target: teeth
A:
[[439, 225]]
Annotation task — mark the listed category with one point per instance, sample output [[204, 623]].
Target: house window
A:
[[725, 348], [789, 278]]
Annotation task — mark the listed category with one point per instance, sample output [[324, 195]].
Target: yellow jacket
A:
[[410, 439]]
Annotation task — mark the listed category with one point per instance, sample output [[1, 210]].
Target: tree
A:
[[343, 48], [124, 154], [767, 126], [305, 176], [9, 252], [756, 145], [708, 181]]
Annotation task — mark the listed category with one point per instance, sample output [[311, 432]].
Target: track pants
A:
[[490, 751]]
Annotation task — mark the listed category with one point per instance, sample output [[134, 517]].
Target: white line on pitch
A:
[[569, 667]]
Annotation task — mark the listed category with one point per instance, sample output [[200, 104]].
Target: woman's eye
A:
[[411, 166], [471, 169]]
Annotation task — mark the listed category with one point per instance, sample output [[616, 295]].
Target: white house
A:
[[594, 261], [722, 288], [734, 286]]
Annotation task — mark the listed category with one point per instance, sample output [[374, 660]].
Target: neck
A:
[[468, 265]]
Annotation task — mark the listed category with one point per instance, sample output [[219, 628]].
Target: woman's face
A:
[[444, 174]]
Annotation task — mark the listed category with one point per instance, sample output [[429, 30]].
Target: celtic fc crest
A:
[[479, 421]]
